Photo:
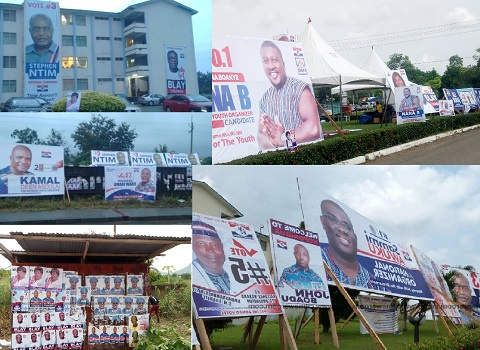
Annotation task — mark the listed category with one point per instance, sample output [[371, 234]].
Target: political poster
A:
[[175, 69], [19, 277], [397, 78], [362, 254], [466, 288], [432, 274], [31, 170], [20, 300], [299, 270], [476, 92], [42, 51], [123, 182], [73, 101], [177, 160], [260, 91], [446, 108], [112, 158], [230, 277], [409, 104], [147, 158], [452, 94], [430, 100], [468, 97], [380, 312]]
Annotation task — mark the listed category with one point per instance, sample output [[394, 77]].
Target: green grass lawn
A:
[[349, 337]]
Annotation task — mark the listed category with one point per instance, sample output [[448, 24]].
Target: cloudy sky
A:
[[435, 209], [202, 21], [152, 128], [428, 32], [178, 257]]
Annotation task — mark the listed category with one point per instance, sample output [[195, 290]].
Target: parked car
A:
[[364, 106], [152, 99], [44, 103], [129, 106], [25, 104], [187, 103]]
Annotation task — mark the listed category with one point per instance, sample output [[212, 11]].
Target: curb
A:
[[402, 147]]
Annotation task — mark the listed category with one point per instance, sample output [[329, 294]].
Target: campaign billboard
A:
[[175, 69], [468, 98], [409, 104], [123, 182], [113, 158], [397, 78], [147, 158], [452, 94], [430, 100], [73, 101], [432, 274], [446, 108], [31, 170], [261, 96], [380, 312], [362, 254], [299, 271], [466, 288], [42, 50], [230, 277], [179, 159]]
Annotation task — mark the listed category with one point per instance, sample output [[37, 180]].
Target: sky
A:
[[152, 128], [202, 22], [178, 257], [429, 33], [434, 208]]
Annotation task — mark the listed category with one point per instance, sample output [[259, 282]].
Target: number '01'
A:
[[217, 58]]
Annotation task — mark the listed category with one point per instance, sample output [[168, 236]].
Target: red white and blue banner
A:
[[230, 277], [175, 70], [123, 182], [463, 99], [362, 254], [446, 108], [31, 170], [409, 104], [179, 159], [42, 50], [468, 97], [261, 90], [113, 158], [299, 271], [147, 158], [430, 100]]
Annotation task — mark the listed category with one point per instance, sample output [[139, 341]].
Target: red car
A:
[[187, 103]]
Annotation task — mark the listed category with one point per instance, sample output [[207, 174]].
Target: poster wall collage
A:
[[109, 219]]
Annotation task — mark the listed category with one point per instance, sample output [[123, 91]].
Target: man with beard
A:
[[300, 275]]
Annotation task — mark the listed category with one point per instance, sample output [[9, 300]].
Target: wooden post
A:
[[355, 308], [66, 189], [432, 308], [299, 325], [283, 337], [405, 315], [248, 330], [261, 322], [348, 319], [443, 319], [340, 131], [333, 327], [282, 319], [202, 334], [316, 311]]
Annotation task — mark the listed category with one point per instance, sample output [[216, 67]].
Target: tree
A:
[[399, 61], [102, 133], [454, 76], [168, 268], [27, 135], [205, 83], [161, 149]]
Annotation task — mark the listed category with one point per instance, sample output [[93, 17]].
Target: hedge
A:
[[356, 144], [464, 339], [93, 101]]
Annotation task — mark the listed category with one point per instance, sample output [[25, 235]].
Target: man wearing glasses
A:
[[341, 253], [43, 49]]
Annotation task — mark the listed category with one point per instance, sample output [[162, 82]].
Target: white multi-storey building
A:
[[117, 53]]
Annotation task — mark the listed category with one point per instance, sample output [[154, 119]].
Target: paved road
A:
[[459, 149]]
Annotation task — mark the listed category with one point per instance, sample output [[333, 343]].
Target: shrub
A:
[[464, 339], [352, 145], [93, 101], [163, 339], [177, 302]]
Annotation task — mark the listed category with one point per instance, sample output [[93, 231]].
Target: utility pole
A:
[[191, 133]]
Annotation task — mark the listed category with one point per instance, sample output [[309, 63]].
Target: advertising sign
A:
[[299, 271], [147, 158], [73, 101], [468, 97], [397, 78], [260, 91], [116, 158], [42, 51], [430, 100], [122, 182], [31, 170], [409, 104], [452, 94], [380, 312], [175, 70], [230, 275], [446, 108], [433, 276], [361, 254], [177, 159]]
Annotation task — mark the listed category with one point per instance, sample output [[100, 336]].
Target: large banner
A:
[[175, 70], [468, 97], [179, 159], [380, 312], [123, 182], [452, 94], [262, 97], [113, 158], [42, 39], [299, 270], [230, 277], [147, 158], [31, 170], [446, 108], [361, 254], [430, 100], [467, 291], [433, 276], [409, 104], [397, 78]]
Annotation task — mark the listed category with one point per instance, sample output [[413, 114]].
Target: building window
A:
[[82, 84], [104, 80], [120, 79], [118, 58], [9, 86], [101, 18], [117, 39], [103, 38], [117, 19], [70, 62], [9, 61], [67, 40], [103, 58], [81, 41], [10, 38], [80, 20], [69, 84], [9, 15], [67, 20]]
